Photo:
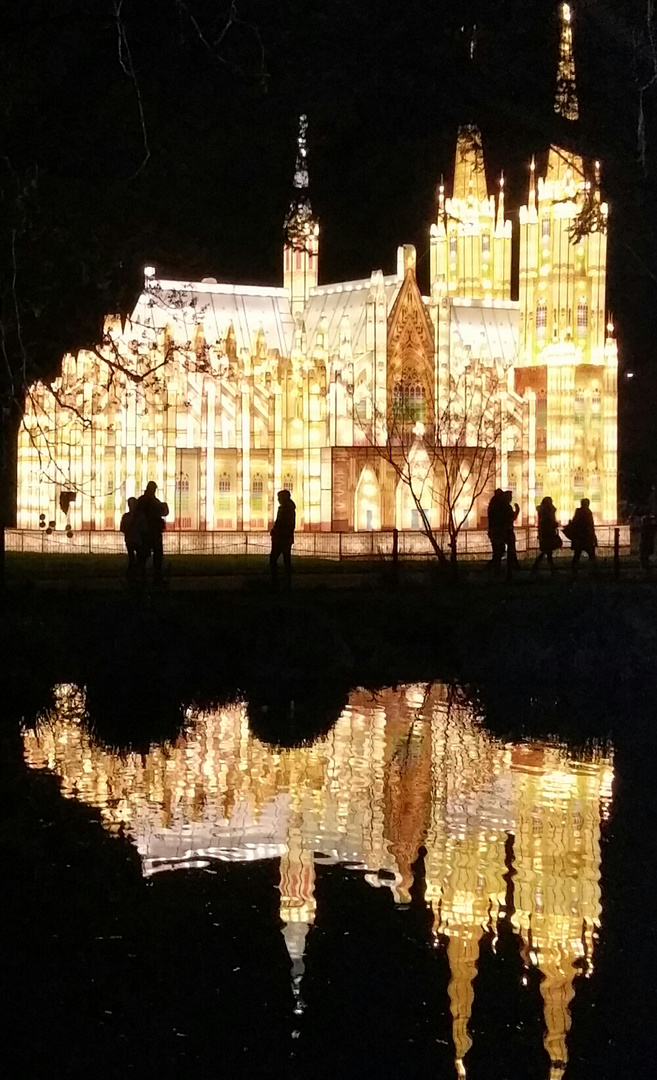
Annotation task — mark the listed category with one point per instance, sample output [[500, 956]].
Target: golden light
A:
[[359, 796], [222, 391]]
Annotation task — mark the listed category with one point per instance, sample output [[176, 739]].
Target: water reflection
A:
[[400, 770]]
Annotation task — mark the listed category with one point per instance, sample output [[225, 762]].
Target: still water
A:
[[508, 833]]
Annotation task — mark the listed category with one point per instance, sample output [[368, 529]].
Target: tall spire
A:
[[565, 103], [300, 214], [469, 171], [301, 247]]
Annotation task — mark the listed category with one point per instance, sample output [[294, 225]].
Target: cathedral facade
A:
[[341, 393]]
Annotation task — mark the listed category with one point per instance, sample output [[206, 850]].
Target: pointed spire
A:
[[532, 182], [566, 103], [300, 215], [441, 198], [500, 205], [469, 171]]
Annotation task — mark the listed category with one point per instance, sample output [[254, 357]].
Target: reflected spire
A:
[[565, 103]]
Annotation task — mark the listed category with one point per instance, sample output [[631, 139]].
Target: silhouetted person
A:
[[646, 541], [282, 536], [548, 533], [496, 527], [511, 511], [581, 533], [153, 512], [133, 528]]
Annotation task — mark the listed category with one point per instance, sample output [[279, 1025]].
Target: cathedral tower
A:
[[301, 232], [470, 241], [565, 354]]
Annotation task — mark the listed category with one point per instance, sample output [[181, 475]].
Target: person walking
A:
[[580, 530], [132, 527], [282, 537], [153, 512], [548, 533], [496, 528]]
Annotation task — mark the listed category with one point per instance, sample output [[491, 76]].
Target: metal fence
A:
[[472, 544]]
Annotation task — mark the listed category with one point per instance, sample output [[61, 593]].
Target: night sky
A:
[[163, 131]]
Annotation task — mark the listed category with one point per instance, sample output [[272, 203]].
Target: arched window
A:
[[579, 407], [596, 401], [288, 483], [182, 504], [223, 487], [545, 228], [485, 244], [541, 316], [257, 493], [410, 402], [582, 316], [453, 246]]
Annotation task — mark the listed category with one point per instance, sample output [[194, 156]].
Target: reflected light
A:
[[400, 769]]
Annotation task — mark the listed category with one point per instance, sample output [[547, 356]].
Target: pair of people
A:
[[143, 527], [502, 515], [580, 530]]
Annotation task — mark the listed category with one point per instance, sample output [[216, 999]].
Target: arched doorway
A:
[[368, 501]]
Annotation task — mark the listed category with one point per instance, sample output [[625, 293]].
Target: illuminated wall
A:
[[399, 769], [225, 394]]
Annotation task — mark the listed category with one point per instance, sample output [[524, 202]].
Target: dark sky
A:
[[163, 131]]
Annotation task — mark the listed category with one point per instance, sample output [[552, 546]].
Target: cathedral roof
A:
[[489, 329], [343, 298], [183, 306]]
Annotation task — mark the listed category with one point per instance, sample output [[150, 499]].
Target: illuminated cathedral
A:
[[224, 394]]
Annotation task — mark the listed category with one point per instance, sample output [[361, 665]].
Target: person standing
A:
[[496, 528], [580, 530], [282, 537], [132, 527], [511, 511], [153, 512], [548, 533]]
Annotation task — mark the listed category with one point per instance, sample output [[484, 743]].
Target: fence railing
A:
[[472, 544]]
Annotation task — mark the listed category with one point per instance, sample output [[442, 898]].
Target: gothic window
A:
[[485, 244], [410, 402], [223, 487], [595, 400], [257, 493], [452, 248], [288, 483], [541, 316], [579, 407], [545, 228], [182, 501], [582, 316]]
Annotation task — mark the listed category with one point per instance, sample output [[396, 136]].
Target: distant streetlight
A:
[[629, 374]]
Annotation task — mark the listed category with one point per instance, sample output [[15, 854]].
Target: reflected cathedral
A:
[[402, 772]]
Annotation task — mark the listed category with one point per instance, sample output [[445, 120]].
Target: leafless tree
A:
[[444, 448]]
